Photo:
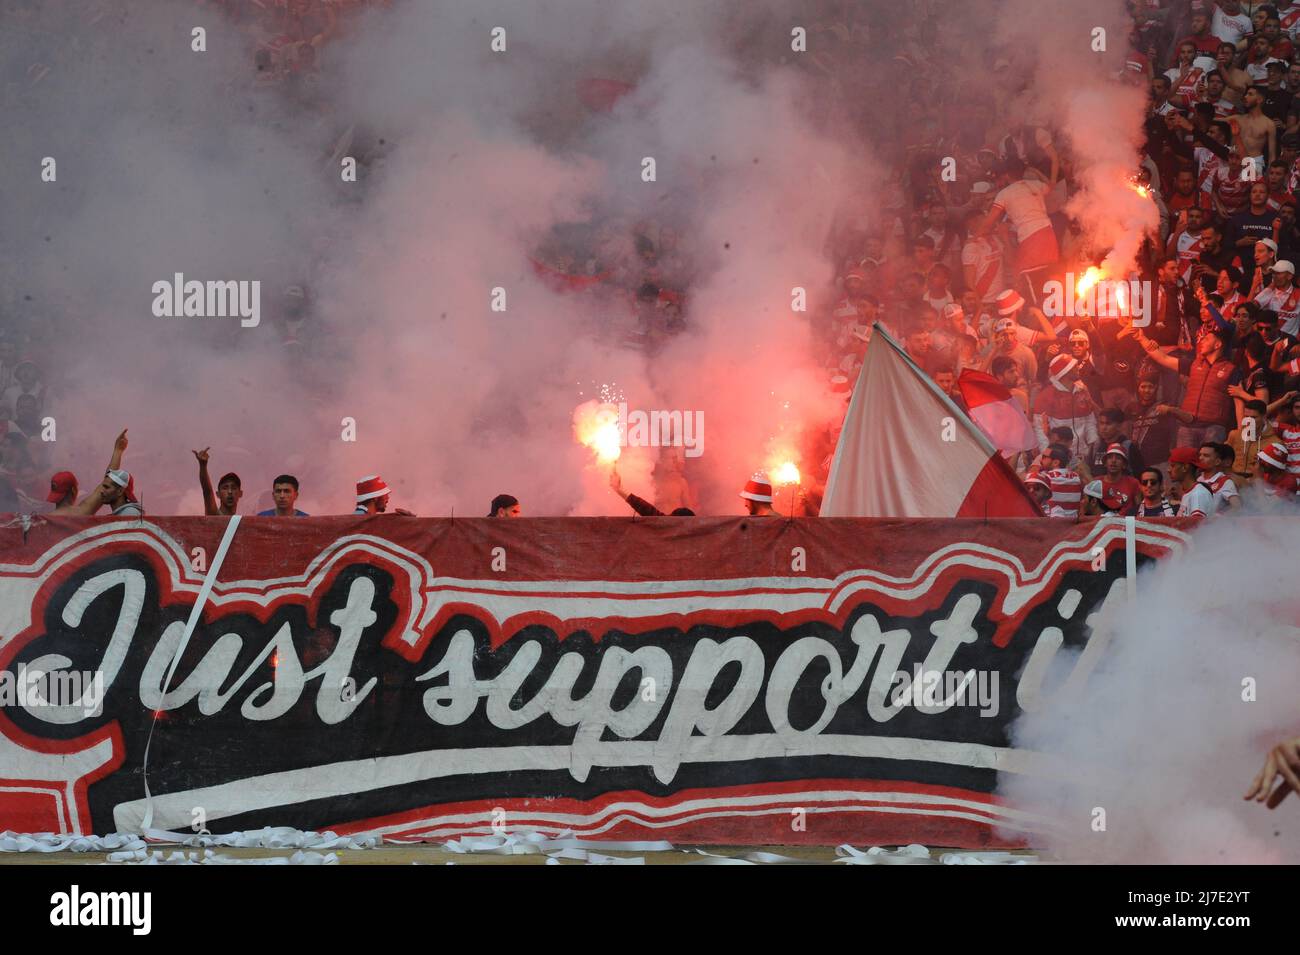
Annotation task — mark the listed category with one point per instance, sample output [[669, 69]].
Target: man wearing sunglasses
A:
[[1154, 503]]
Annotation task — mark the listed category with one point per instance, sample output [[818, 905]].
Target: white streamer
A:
[[197, 612]]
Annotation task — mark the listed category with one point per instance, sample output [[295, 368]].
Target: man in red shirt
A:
[[1209, 375], [1201, 37], [1282, 47], [1186, 195], [1116, 491]]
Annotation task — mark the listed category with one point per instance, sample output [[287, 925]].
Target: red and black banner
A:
[[724, 681]]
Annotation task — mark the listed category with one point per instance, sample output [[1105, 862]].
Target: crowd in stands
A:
[[1178, 411], [1182, 413]]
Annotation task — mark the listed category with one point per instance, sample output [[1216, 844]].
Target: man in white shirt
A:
[[1023, 201], [1283, 297], [981, 260], [1214, 492], [1229, 23]]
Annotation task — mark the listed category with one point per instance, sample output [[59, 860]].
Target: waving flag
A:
[[907, 451], [996, 412]]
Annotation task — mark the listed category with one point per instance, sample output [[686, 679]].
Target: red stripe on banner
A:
[[829, 811]]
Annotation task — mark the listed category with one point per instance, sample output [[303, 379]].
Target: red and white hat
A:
[[1116, 448], [1009, 302], [953, 310], [758, 488], [371, 487], [1275, 454], [1060, 366]]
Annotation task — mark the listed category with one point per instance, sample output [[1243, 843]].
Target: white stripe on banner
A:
[[294, 786]]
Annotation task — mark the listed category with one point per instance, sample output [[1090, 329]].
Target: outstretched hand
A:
[[202, 456], [1282, 760], [121, 442], [616, 483]]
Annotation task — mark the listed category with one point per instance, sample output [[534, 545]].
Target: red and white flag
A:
[[907, 451], [999, 414]]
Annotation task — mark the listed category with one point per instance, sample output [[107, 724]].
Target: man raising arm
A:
[[229, 489]]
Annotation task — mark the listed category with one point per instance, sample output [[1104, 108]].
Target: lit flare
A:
[[595, 425]]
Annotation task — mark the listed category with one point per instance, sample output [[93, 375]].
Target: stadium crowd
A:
[[1180, 414], [1175, 412]]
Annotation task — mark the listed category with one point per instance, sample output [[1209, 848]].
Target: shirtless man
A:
[[1236, 81], [1258, 133]]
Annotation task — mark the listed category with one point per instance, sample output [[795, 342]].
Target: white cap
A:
[[1272, 246], [981, 187], [1282, 265], [119, 477]]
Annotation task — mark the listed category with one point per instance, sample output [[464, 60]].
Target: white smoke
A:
[[1196, 684]]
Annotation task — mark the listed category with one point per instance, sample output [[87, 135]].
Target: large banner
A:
[[723, 681]]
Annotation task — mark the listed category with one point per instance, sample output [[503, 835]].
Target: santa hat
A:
[[1059, 367], [371, 487], [1275, 454], [1009, 302], [758, 488]]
